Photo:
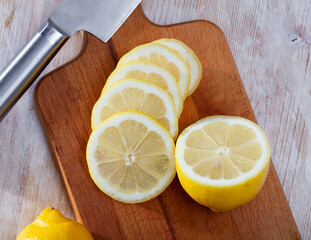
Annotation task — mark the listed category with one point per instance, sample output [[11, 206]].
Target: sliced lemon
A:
[[222, 162], [149, 72], [133, 94], [131, 157], [187, 54], [165, 57]]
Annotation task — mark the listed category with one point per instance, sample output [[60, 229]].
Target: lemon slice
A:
[[133, 94], [165, 57], [222, 162], [151, 73], [131, 157], [187, 54]]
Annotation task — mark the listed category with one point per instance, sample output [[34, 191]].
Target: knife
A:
[[101, 18]]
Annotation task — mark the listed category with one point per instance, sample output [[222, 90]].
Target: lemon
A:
[[131, 157], [132, 94], [187, 54], [222, 162], [165, 57], [149, 72], [52, 225]]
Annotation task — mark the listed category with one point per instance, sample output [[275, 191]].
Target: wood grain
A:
[[270, 42], [64, 101], [29, 181]]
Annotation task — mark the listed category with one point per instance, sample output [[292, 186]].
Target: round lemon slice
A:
[[131, 157], [165, 57], [149, 72], [133, 94], [222, 162], [187, 54]]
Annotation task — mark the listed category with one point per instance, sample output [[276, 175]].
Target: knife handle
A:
[[26, 66]]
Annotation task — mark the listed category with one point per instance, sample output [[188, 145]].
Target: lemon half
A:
[[222, 162]]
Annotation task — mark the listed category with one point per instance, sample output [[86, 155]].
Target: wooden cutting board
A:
[[64, 100]]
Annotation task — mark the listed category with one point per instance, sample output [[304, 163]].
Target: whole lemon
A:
[[51, 225]]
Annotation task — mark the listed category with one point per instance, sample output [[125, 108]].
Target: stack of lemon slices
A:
[[222, 162], [130, 152]]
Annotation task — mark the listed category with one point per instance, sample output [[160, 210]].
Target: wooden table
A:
[[270, 43]]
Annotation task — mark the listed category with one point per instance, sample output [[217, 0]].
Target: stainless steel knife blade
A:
[[101, 18], [98, 17]]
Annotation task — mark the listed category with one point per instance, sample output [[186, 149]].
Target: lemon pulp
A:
[[131, 94], [164, 56], [151, 73], [131, 157]]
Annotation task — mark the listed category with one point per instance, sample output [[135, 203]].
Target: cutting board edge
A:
[[49, 139], [84, 36], [54, 155]]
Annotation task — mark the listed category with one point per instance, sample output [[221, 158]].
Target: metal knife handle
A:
[[26, 66]]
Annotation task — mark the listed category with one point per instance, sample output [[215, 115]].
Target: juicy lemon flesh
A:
[[161, 60], [165, 57], [138, 100], [150, 73], [52, 225], [219, 151], [222, 151], [130, 158], [154, 78]]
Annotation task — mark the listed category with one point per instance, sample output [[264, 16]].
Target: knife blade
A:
[[101, 18]]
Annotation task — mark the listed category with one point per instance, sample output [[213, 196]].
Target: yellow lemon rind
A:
[[218, 195], [132, 55], [146, 86], [224, 194], [51, 224], [186, 52], [173, 87]]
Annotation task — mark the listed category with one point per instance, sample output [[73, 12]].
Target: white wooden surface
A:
[[270, 42]]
